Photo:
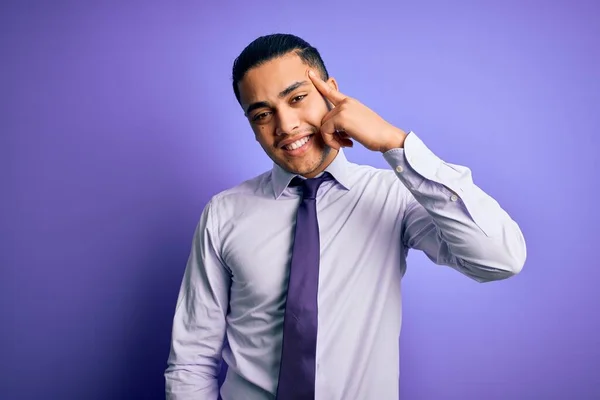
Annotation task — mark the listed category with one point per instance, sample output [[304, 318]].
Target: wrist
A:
[[395, 141]]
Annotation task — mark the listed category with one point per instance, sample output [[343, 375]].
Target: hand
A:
[[349, 119]]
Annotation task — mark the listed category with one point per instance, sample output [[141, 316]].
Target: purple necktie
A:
[[297, 369]]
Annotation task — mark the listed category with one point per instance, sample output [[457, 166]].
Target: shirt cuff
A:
[[415, 163]]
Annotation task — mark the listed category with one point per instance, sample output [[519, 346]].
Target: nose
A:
[[288, 121]]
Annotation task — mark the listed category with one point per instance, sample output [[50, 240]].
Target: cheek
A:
[[315, 112], [261, 134]]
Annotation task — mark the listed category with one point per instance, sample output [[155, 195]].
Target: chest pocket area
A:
[[259, 255]]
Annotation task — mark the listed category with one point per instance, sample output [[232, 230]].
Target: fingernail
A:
[[311, 73]]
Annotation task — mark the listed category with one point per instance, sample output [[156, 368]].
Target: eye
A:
[[261, 116], [298, 98]]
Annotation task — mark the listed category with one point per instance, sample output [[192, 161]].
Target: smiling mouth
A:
[[298, 143]]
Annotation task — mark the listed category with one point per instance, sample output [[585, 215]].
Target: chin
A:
[[306, 165], [299, 168]]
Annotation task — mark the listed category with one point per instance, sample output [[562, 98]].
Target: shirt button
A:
[[454, 197], [399, 168]]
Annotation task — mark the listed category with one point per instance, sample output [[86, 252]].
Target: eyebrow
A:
[[283, 93]]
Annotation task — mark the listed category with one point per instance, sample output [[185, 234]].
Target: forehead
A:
[[267, 80]]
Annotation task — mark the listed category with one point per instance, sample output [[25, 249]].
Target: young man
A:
[[294, 276]]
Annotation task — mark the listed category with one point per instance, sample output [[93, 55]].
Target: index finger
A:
[[326, 90]]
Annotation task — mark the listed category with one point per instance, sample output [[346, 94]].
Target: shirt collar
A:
[[339, 169]]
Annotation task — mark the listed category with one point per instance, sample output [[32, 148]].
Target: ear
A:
[[333, 83]]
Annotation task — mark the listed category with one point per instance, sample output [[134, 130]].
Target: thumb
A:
[[329, 136], [334, 138]]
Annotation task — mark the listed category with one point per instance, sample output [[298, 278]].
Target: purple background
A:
[[118, 123]]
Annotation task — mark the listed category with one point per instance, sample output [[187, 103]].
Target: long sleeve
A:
[[199, 322], [452, 220]]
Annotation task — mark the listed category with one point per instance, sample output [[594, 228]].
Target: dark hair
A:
[[266, 48]]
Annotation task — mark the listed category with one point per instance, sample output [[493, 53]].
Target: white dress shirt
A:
[[232, 298]]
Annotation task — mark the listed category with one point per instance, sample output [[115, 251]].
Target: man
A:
[[294, 276]]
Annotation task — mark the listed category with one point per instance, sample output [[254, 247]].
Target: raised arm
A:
[[448, 217], [452, 220]]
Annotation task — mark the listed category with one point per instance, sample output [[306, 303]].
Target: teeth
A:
[[298, 143]]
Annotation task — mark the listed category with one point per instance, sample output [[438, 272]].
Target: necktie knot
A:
[[310, 186]]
